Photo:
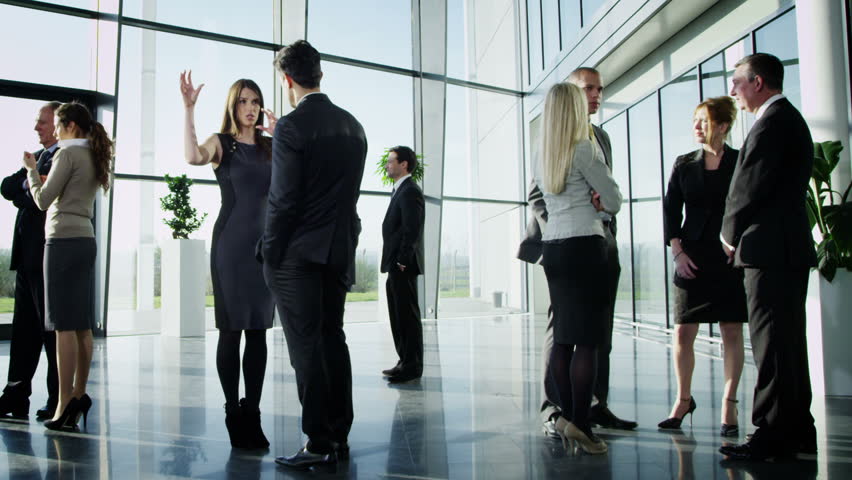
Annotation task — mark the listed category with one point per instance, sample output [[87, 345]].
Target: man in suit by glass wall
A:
[[28, 333], [766, 232]]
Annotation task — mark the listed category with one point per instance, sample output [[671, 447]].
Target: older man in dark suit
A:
[[308, 246], [28, 333], [589, 80], [766, 231], [402, 259]]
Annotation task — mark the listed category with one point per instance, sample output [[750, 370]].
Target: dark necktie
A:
[[44, 162]]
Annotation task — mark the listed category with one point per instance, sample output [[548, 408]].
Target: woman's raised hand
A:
[[189, 93], [270, 122]]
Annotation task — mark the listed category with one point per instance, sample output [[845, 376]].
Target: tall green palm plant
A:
[[832, 218]]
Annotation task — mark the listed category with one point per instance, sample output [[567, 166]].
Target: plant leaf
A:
[[827, 258], [838, 220]]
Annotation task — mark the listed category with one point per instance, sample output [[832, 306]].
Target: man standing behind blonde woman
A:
[[576, 184]]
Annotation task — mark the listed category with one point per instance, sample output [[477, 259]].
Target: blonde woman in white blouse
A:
[[576, 184]]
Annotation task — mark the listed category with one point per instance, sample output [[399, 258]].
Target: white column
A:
[[146, 246], [824, 77]]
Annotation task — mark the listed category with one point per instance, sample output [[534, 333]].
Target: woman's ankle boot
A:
[[254, 431], [235, 422]]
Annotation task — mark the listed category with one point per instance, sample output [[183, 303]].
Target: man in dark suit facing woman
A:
[[766, 232], [28, 332], [308, 246], [402, 259]]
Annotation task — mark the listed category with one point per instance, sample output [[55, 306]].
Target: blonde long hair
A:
[[566, 122]]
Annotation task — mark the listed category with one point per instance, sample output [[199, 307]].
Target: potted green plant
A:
[[830, 211], [182, 267], [185, 218], [381, 169]]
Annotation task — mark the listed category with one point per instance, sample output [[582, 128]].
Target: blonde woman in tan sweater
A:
[[80, 168]]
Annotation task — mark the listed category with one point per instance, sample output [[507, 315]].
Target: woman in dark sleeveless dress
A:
[[241, 158], [707, 289]]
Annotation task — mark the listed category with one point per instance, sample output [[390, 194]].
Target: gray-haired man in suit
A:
[[589, 80]]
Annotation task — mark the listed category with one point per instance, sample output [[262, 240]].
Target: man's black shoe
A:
[[754, 452], [342, 450], [15, 405], [806, 447], [46, 411], [403, 377], [602, 416], [304, 459], [391, 371]]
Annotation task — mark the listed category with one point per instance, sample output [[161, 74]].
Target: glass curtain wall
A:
[[647, 138], [553, 27], [369, 69]]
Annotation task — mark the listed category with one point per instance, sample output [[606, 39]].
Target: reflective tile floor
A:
[[158, 414]]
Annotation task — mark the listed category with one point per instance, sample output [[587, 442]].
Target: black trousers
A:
[[29, 335], [405, 320], [310, 299], [601, 391], [782, 393]]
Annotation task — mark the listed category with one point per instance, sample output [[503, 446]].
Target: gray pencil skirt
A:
[[69, 283]]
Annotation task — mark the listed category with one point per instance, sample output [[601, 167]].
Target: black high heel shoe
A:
[[63, 422], [674, 422], [731, 430], [83, 406]]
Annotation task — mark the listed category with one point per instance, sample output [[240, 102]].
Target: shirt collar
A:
[[399, 181], [72, 142], [306, 96], [52, 148], [766, 104]]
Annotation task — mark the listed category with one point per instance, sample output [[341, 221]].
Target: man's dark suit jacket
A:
[[530, 249], [402, 229], [765, 216], [28, 239], [686, 187], [318, 159]]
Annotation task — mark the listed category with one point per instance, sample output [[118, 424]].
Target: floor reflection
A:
[[158, 414]]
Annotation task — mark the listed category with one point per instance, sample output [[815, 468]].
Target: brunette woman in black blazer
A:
[[707, 289]]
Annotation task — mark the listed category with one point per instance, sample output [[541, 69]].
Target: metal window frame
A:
[[100, 98]]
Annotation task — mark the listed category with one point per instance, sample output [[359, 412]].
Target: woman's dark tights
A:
[[574, 368], [254, 364]]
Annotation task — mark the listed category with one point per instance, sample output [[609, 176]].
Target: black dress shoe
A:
[[403, 377], [304, 459], [754, 452], [18, 406], [602, 416], [46, 411], [806, 447], [342, 450], [391, 371]]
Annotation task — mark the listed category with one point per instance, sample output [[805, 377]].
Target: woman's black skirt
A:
[[576, 270], [69, 283]]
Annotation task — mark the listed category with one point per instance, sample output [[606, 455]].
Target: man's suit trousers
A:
[[782, 394], [310, 299], [29, 335], [405, 320]]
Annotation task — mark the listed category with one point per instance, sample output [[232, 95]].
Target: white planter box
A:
[[836, 309], [183, 280]]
